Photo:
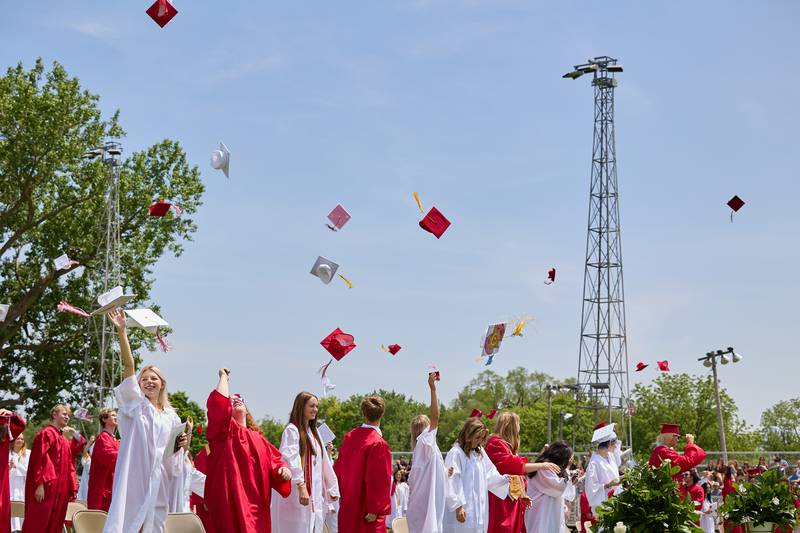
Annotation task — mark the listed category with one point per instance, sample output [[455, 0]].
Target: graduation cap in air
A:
[[641, 366], [63, 262], [735, 204], [663, 365], [116, 297], [551, 277], [221, 159], [338, 218], [338, 343], [148, 321], [392, 348], [162, 207], [162, 11], [435, 222], [4, 311], [82, 413], [491, 341], [324, 269]]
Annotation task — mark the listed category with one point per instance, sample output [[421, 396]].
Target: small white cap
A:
[[604, 434], [111, 299], [62, 262], [145, 319], [4, 311], [325, 433], [324, 269], [221, 158]]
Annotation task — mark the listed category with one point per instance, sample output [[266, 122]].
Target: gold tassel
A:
[[349, 285], [419, 204]]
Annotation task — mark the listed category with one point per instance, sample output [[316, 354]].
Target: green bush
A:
[[767, 498]]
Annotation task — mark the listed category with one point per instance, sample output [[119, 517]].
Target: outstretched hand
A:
[[117, 317], [285, 473], [225, 371], [432, 380], [552, 467]]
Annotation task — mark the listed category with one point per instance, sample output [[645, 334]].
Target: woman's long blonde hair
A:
[[163, 400], [22, 451], [418, 424], [507, 428]]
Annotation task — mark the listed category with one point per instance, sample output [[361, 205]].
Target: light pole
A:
[[710, 361], [562, 417], [550, 387]]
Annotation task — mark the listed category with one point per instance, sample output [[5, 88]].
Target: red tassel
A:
[[64, 307], [165, 346]]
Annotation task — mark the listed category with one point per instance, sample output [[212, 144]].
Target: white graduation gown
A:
[[599, 471], [426, 486], [474, 476], [548, 492], [181, 487], [332, 517], [143, 476], [399, 502], [83, 487], [288, 516], [708, 518], [16, 481]]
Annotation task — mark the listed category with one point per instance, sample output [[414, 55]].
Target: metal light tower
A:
[[710, 361], [110, 276], [603, 354]]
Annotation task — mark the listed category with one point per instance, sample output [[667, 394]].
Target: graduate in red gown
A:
[[243, 467], [692, 456], [691, 490], [197, 503], [508, 515], [11, 425], [364, 470], [104, 459], [728, 487], [51, 481]]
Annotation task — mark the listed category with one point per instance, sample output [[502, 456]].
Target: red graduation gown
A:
[[242, 472], [197, 502], [101, 471], [364, 470], [15, 425], [695, 492], [52, 463], [692, 456], [505, 516]]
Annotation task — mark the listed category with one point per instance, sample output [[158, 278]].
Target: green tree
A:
[[52, 201], [185, 407], [780, 425], [272, 430], [686, 400]]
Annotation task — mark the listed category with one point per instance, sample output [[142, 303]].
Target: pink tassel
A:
[[64, 307], [177, 209], [165, 346]]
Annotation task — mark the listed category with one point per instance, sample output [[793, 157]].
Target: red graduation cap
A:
[[600, 425], [435, 371], [641, 365], [434, 222], [663, 365], [491, 414], [735, 203], [476, 413], [162, 11], [669, 428], [199, 429], [338, 217], [162, 207], [338, 343], [394, 348], [551, 276]]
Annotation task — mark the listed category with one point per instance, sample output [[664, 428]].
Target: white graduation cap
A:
[[324, 269], [604, 434], [221, 158], [62, 262], [82, 413], [111, 299], [145, 319], [4, 311], [325, 433]]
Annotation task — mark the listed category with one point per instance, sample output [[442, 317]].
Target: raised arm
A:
[[117, 317], [434, 402], [223, 387]]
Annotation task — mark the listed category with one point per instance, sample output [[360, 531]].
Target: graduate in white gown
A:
[[471, 475], [188, 481], [399, 494], [708, 512], [18, 470], [314, 483], [548, 491], [426, 482], [144, 475], [602, 473], [86, 463]]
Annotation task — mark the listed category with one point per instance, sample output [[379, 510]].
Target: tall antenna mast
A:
[[603, 384]]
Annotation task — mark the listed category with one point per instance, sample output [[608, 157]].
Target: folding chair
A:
[[183, 523], [87, 521], [72, 508], [399, 525]]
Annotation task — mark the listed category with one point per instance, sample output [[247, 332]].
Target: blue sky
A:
[[361, 103]]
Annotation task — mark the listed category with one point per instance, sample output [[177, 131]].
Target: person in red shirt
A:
[[243, 466], [364, 470], [508, 515], [11, 426], [51, 483], [104, 459], [691, 490], [692, 456]]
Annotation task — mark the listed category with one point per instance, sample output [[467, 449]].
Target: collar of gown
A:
[[376, 428]]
